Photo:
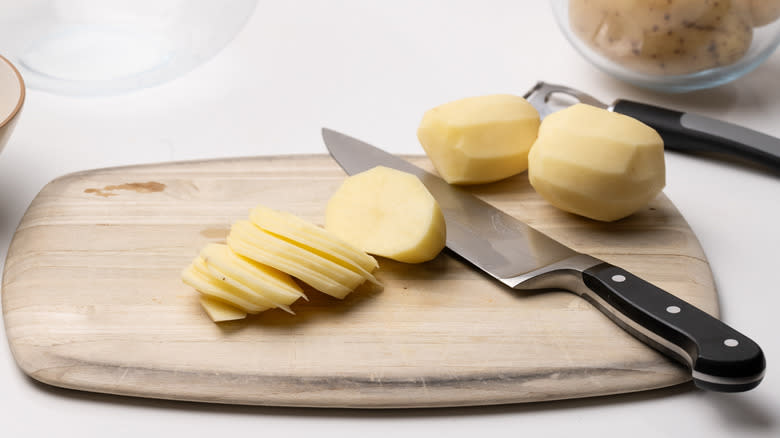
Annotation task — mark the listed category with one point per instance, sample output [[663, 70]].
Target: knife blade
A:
[[681, 131], [719, 357]]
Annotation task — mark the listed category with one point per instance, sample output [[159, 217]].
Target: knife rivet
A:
[[673, 309], [618, 278], [731, 342]]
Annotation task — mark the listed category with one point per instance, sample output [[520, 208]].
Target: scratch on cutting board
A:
[[424, 385], [122, 377], [138, 187]]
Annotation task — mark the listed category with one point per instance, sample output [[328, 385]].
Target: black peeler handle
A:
[[688, 132]]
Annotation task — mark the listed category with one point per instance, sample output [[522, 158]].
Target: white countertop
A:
[[371, 69]]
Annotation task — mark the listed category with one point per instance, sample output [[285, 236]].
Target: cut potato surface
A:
[[347, 264], [255, 296], [210, 286], [276, 286], [314, 239], [218, 311], [286, 257], [288, 252], [295, 228], [596, 163], [314, 279], [479, 139], [235, 287], [252, 273], [388, 213]]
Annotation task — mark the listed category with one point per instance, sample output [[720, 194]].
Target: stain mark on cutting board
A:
[[138, 187], [215, 233]]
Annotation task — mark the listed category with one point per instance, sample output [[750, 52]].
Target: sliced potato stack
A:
[[254, 271]]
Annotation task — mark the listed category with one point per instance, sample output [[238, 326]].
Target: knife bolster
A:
[[565, 274]]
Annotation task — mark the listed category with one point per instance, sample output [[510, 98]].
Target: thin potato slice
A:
[[276, 286], [219, 311], [313, 278], [207, 285], [252, 234], [296, 229], [246, 289], [333, 258], [252, 273], [221, 278]]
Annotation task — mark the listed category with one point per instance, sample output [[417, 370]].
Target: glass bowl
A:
[[672, 46], [101, 47]]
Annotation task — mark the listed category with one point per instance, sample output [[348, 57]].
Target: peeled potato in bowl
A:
[[664, 37]]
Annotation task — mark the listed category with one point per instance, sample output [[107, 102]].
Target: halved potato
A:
[[388, 213]]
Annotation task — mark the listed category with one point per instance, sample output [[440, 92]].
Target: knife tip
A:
[[329, 135]]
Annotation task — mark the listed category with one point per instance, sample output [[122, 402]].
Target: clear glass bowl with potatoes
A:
[[672, 45]]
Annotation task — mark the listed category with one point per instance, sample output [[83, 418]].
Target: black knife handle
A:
[[688, 132], [721, 358]]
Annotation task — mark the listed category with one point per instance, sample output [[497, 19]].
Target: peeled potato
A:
[[596, 163], [664, 37], [479, 139], [388, 213]]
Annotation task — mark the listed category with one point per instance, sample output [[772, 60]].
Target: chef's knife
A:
[[720, 358], [681, 131]]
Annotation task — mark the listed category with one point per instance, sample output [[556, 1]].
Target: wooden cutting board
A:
[[92, 300]]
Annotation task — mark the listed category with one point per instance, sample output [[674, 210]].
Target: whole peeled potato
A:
[[479, 139], [664, 37], [596, 163]]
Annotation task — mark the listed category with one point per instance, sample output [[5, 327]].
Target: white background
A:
[[371, 69]]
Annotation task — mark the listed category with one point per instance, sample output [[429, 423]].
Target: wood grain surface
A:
[[92, 300]]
